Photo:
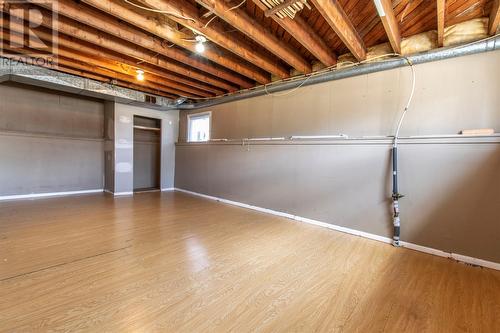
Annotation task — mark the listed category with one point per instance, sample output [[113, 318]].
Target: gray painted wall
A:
[[49, 142], [452, 185], [450, 95]]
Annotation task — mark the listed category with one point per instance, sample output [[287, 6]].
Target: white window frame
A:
[[196, 115]]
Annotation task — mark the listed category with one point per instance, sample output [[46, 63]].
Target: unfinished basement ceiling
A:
[[111, 40]]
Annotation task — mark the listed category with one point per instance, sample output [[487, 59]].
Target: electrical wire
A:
[[289, 91], [232, 8], [166, 12], [410, 98], [408, 103], [346, 64]]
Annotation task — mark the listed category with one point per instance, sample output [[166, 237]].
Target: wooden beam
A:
[[181, 10], [343, 27], [93, 72], [494, 21], [84, 63], [441, 17], [253, 29], [111, 25], [281, 6], [386, 14], [93, 59], [87, 48], [100, 78], [100, 39], [305, 35], [134, 18], [84, 53], [150, 80]]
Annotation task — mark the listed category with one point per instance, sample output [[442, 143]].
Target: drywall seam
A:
[[420, 248], [50, 194]]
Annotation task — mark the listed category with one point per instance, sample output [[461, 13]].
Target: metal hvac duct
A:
[[41, 76], [424, 57]]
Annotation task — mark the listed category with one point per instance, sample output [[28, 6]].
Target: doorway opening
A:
[[147, 154]]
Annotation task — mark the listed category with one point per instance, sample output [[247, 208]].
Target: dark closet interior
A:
[[147, 153]]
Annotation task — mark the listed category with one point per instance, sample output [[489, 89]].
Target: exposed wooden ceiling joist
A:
[[305, 35], [441, 17], [90, 57], [82, 66], [164, 31], [113, 39], [100, 39], [105, 23], [340, 23], [494, 21], [253, 29], [215, 33], [269, 12], [86, 48], [390, 24]]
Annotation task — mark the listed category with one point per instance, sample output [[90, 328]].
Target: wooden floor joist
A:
[[89, 49], [111, 26], [441, 19], [79, 65], [215, 33], [100, 39], [390, 24], [170, 262], [340, 23], [245, 46], [250, 27], [93, 72], [305, 35], [164, 31], [92, 76], [494, 21], [90, 59]]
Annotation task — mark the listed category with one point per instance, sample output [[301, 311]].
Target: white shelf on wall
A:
[[145, 128]]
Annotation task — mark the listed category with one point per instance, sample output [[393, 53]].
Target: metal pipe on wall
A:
[[395, 197], [487, 45], [36, 76]]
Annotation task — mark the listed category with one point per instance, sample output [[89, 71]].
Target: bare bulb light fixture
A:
[[200, 47], [140, 75]]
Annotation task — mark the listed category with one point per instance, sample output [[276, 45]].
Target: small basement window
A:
[[199, 127]]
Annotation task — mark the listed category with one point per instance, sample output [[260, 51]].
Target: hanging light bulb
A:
[[140, 75], [200, 47]]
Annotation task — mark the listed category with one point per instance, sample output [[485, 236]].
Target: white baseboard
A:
[[119, 194], [45, 195], [168, 189], [420, 248]]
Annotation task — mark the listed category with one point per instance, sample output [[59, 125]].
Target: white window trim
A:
[[196, 115]]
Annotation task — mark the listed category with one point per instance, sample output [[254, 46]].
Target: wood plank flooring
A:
[[170, 262]]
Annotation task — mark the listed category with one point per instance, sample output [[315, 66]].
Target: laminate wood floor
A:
[[170, 262]]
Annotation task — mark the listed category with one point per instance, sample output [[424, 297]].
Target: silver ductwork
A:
[[43, 77], [19, 72], [367, 68]]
